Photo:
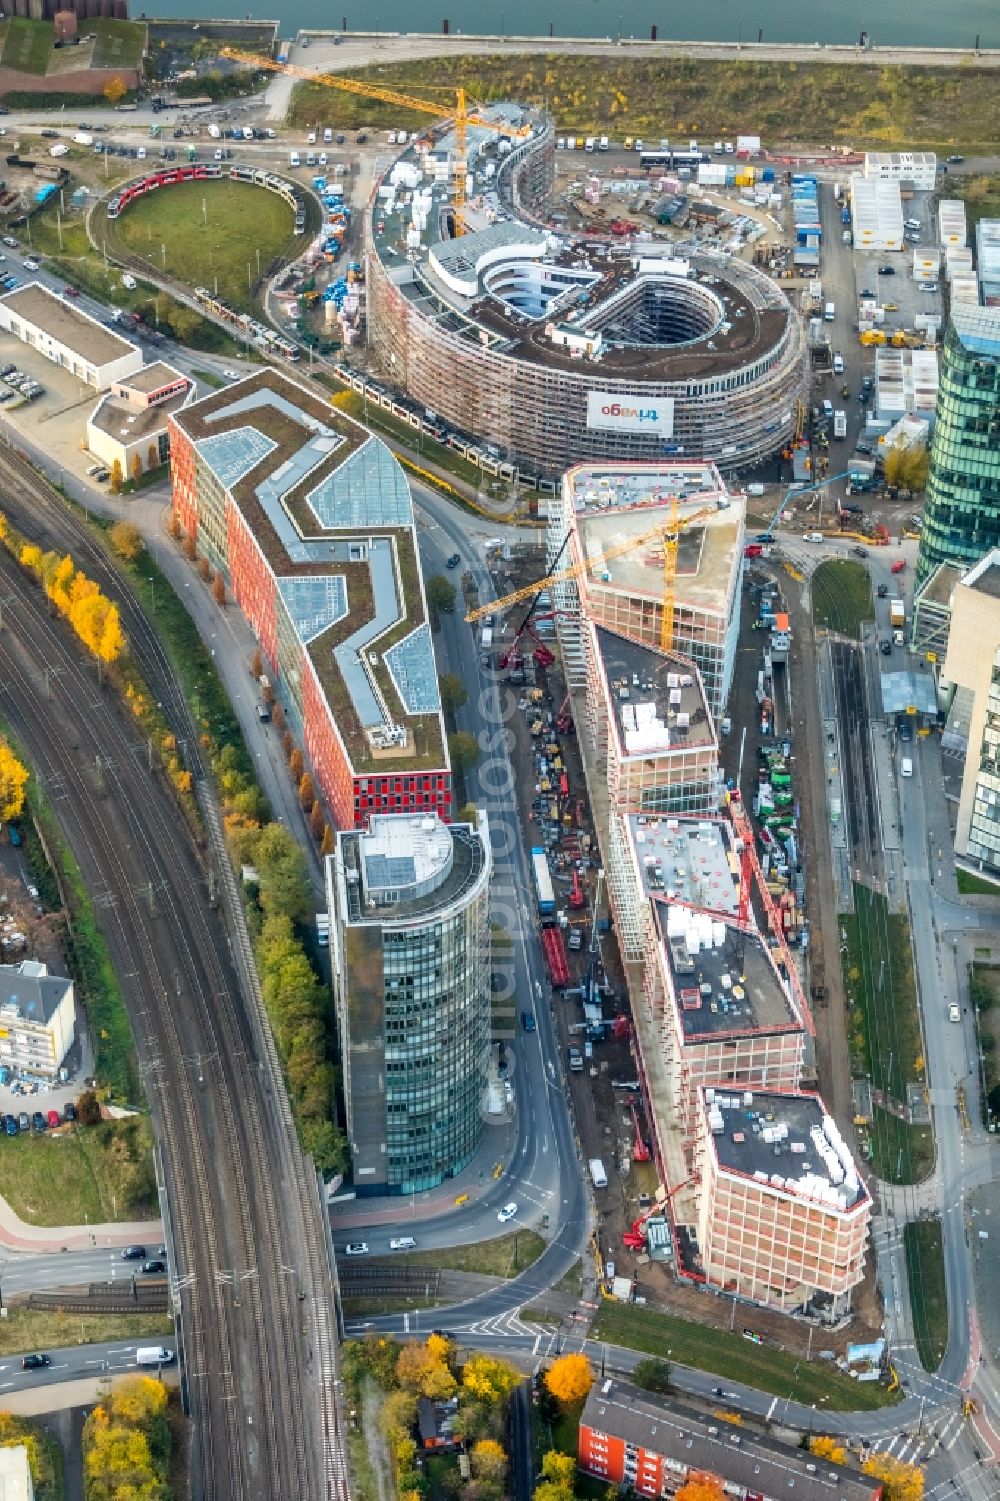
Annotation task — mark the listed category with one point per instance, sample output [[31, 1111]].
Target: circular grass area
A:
[[210, 233]]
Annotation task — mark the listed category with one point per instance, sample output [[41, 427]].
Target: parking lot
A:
[[56, 417]]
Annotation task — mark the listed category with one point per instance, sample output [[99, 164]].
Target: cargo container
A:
[[544, 892]]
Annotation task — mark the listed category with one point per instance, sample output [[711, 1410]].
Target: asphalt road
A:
[[245, 1240], [79, 1361], [544, 1174]]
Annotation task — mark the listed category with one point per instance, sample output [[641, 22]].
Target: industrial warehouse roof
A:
[[698, 1441], [657, 700], [724, 980], [330, 509], [67, 325], [784, 1141]]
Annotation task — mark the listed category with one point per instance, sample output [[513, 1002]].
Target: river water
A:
[[889, 23]]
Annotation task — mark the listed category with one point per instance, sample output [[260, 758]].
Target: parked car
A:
[[10, 1125], [69, 1111], [52, 1116], [887, 648], [886, 270], [38, 1121], [23, 1123]]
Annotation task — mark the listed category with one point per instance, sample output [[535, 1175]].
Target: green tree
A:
[[463, 749], [440, 597], [453, 692], [284, 876], [652, 1375]]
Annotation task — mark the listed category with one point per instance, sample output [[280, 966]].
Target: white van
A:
[[154, 1355], [906, 767], [603, 143], [328, 134], [597, 1173], [293, 159], [838, 364], [829, 313]]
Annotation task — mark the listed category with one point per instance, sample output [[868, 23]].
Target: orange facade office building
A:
[[308, 520]]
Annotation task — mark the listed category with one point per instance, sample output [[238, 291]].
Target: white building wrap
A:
[[630, 414]]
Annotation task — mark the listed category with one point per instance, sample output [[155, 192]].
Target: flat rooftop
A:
[[658, 701], [130, 424], [724, 980], [700, 1442], [603, 487], [985, 576], [787, 1141], [408, 868], [68, 325], [940, 584], [691, 859], [330, 508], [153, 377], [709, 550]]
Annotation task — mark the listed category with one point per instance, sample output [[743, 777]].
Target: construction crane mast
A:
[[461, 119], [668, 532]]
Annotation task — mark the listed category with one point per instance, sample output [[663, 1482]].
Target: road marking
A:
[[406, 1323]]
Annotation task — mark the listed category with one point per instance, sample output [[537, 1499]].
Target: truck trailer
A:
[[897, 614]]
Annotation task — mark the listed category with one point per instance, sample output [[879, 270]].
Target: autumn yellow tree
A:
[[701, 1488], [31, 557], [126, 539], [60, 583], [296, 765], [569, 1378], [174, 526], [558, 1474], [317, 823], [425, 1371], [307, 791], [327, 847], [115, 89], [204, 570], [256, 663], [152, 456], [135, 468], [828, 1448], [13, 780], [489, 1462], [219, 590], [488, 1379], [117, 477], [901, 1481]]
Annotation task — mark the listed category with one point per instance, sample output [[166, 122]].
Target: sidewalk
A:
[[472, 1184], [17, 1235]]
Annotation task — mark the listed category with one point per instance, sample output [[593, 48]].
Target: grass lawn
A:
[[928, 1300], [119, 43], [984, 992], [981, 196], [504, 1256], [91, 1173], [206, 378], [970, 885], [842, 597], [884, 1029], [27, 45], [677, 97], [45, 1454], [37, 1329], [209, 230], [734, 1358]]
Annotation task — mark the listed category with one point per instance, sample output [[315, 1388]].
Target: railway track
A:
[[252, 1279]]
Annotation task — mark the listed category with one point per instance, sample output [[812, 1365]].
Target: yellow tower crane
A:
[[461, 119], [667, 532]]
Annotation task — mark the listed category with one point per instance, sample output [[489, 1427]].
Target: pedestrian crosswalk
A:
[[915, 1448]]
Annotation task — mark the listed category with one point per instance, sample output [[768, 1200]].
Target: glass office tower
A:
[[410, 957], [962, 514]]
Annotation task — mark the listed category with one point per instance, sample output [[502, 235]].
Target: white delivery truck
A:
[[153, 1355], [597, 1173], [215, 132], [840, 424], [829, 313]]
